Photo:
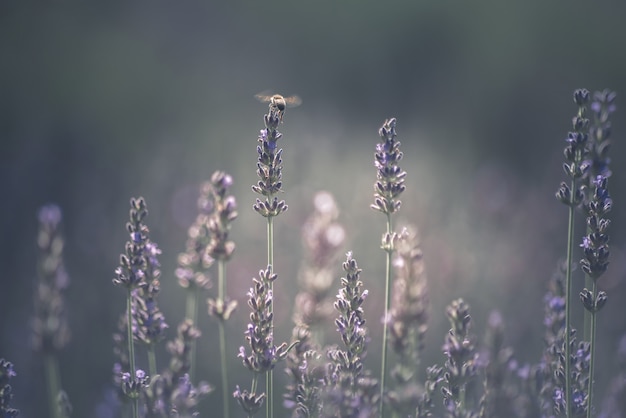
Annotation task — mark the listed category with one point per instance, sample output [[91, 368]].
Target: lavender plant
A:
[[305, 371], [351, 392], [594, 264], [388, 187], [221, 248], [172, 394], [193, 265], [596, 253], [551, 369], [131, 274], [337, 383], [408, 322], [322, 235], [6, 392], [572, 195], [269, 170], [50, 327], [460, 368], [260, 337]]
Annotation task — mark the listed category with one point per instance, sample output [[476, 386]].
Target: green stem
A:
[[253, 387], [54, 384], [192, 314], [131, 348], [589, 283], [383, 368], [269, 377], [221, 275], [225, 397], [568, 296], [592, 348], [152, 364]]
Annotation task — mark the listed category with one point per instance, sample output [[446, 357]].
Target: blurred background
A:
[[100, 102]]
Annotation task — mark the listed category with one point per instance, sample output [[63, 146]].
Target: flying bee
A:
[[279, 103]]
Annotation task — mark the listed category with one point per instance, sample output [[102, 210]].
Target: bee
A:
[[279, 103]]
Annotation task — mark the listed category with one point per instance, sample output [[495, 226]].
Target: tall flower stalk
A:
[[350, 391], [388, 187], [264, 354], [193, 265], [269, 170], [572, 195], [461, 361], [594, 264], [221, 248], [131, 275], [602, 106], [50, 326]]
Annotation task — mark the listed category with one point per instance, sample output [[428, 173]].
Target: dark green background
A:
[[101, 101]]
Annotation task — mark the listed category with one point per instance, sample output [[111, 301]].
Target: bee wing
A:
[[293, 101], [263, 97]]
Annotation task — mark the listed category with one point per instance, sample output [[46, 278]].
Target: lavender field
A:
[[312, 210]]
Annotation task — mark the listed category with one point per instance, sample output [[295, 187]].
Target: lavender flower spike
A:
[[6, 394]]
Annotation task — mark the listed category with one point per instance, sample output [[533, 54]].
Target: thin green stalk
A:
[[568, 296], [221, 274], [269, 377], [383, 368], [592, 348], [192, 314], [131, 348], [589, 283], [255, 379], [152, 364], [54, 384]]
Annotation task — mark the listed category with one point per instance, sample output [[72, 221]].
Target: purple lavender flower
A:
[[264, 355], [576, 151], [220, 247], [595, 243], [133, 263], [269, 168], [461, 365], [259, 334], [602, 106], [193, 265], [50, 326], [172, 393], [390, 178], [350, 391], [6, 394], [306, 374]]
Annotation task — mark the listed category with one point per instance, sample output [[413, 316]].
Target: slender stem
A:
[[592, 348], [225, 397], [383, 368], [152, 364], [221, 275], [192, 314], [589, 283], [53, 380], [568, 296], [131, 348], [253, 387], [269, 377]]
